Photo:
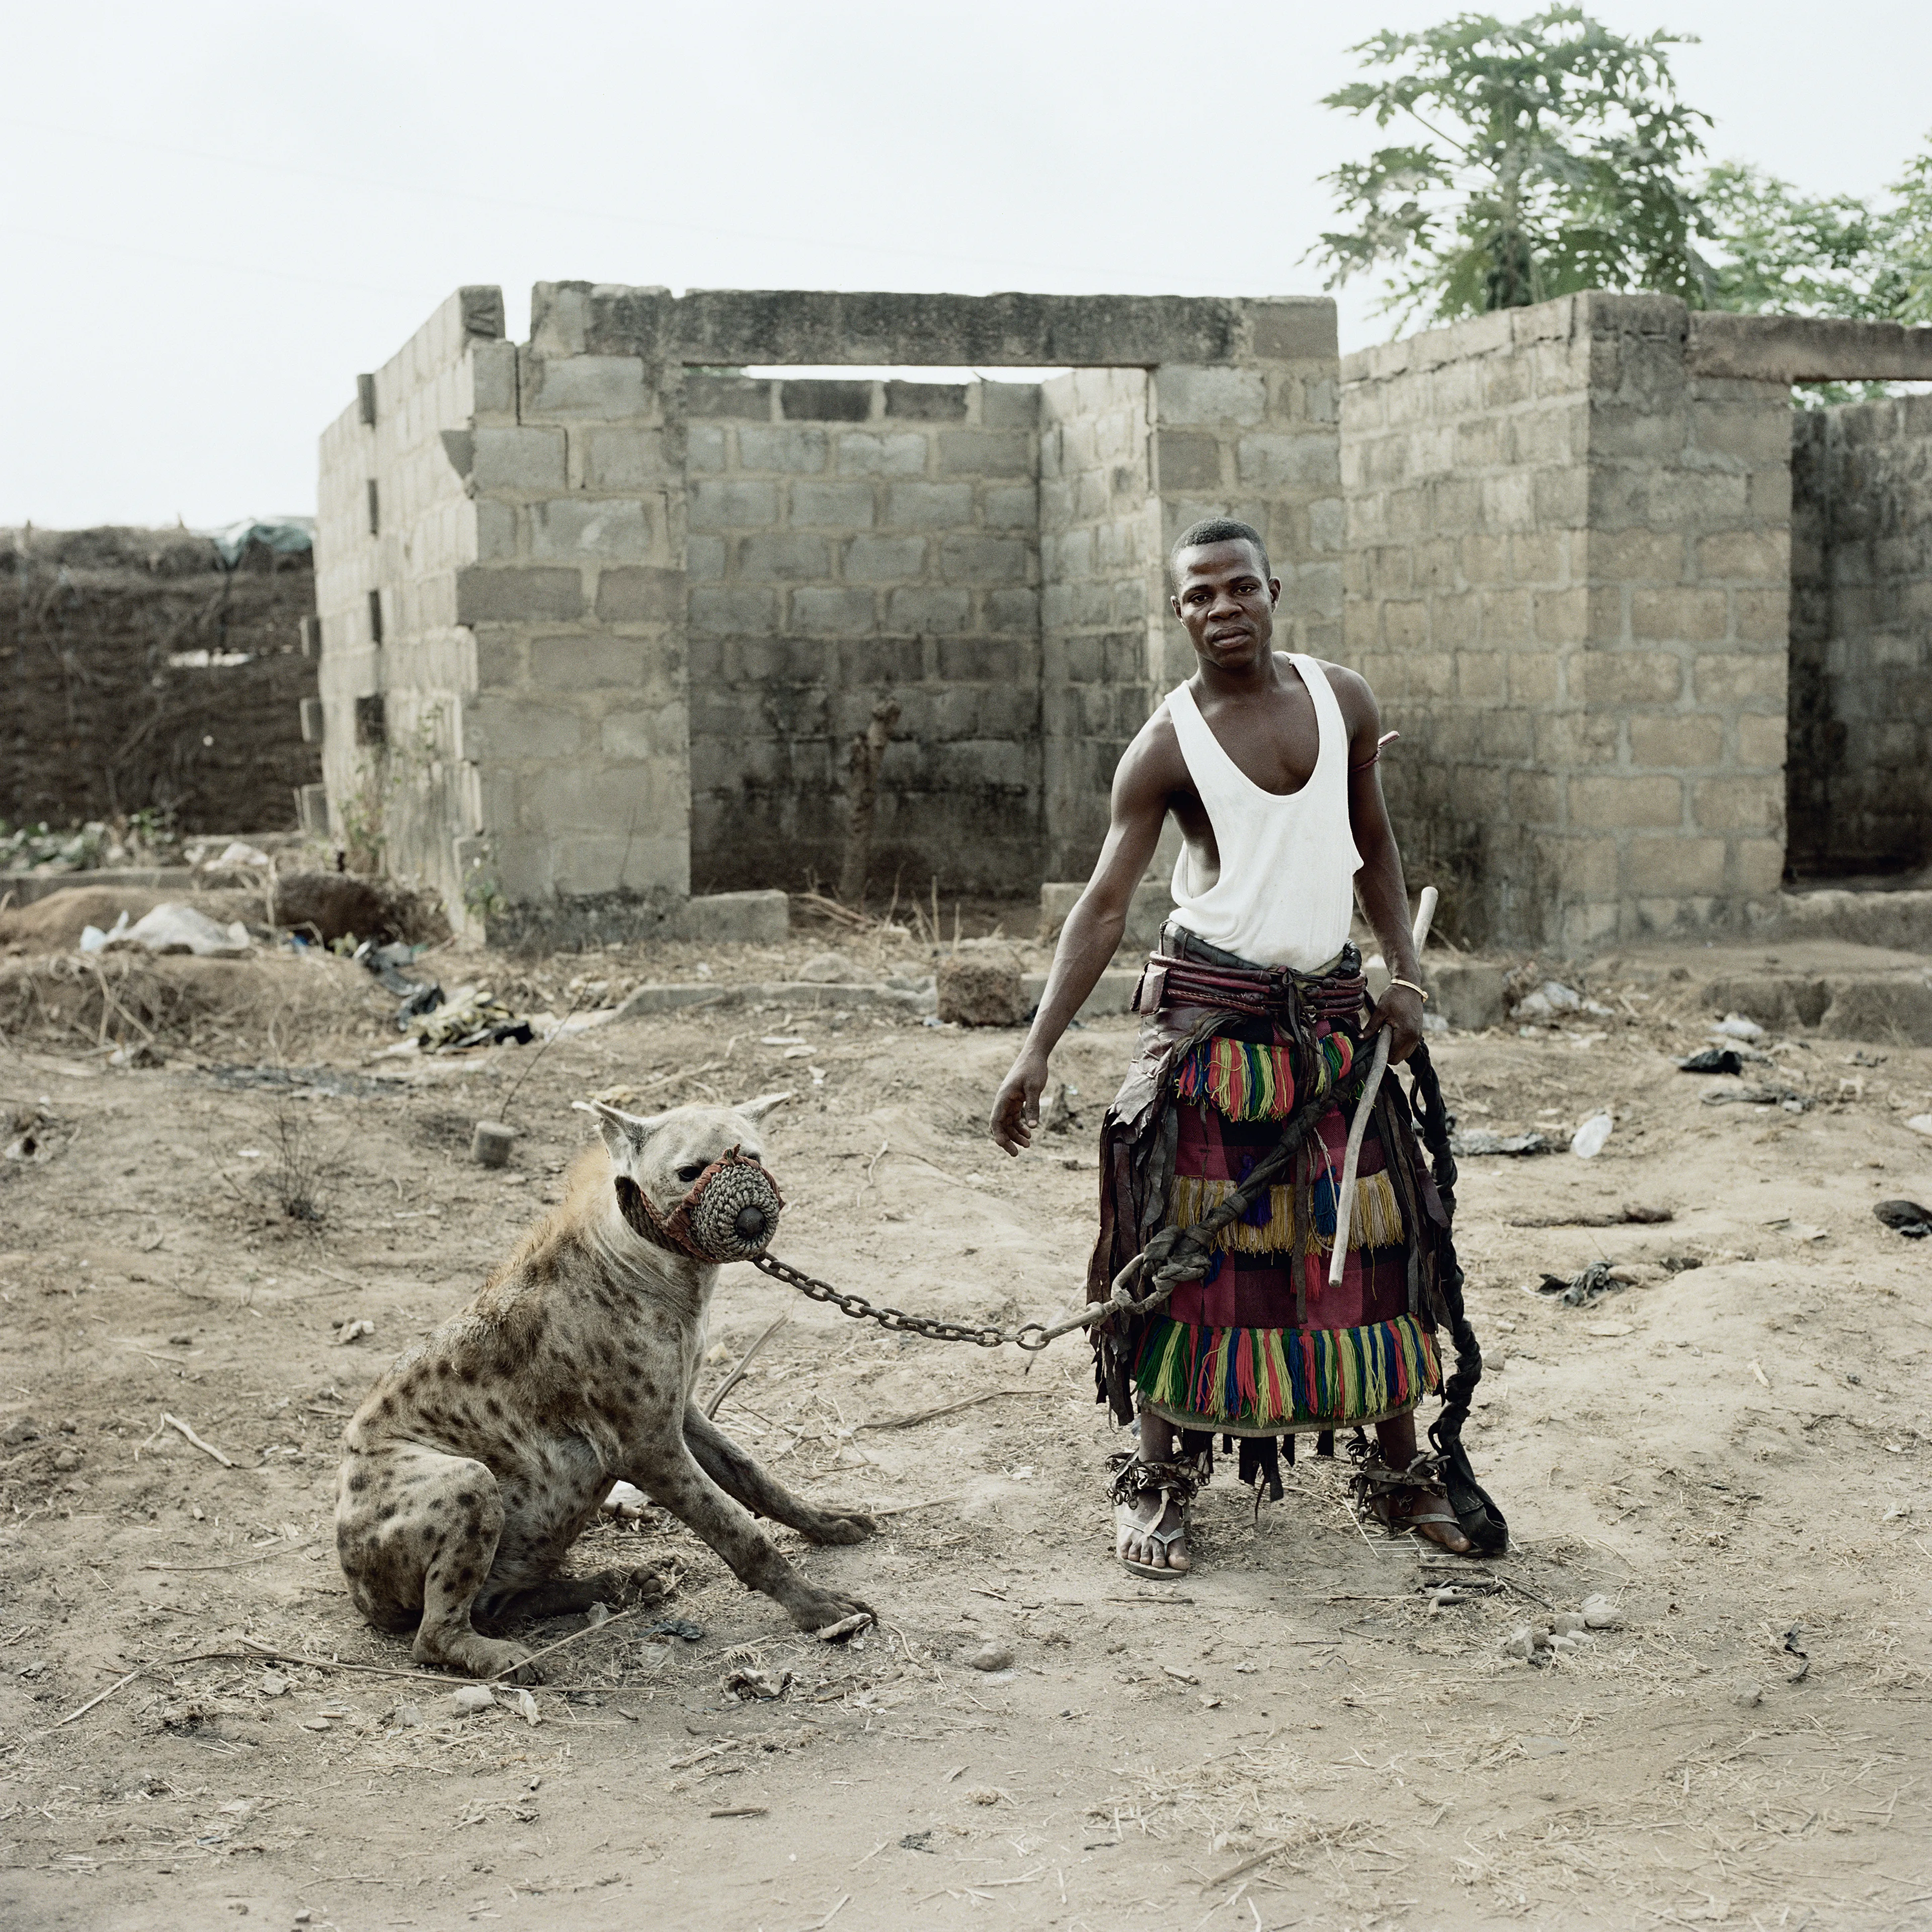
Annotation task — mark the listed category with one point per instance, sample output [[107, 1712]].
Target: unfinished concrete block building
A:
[[600, 616], [600, 613]]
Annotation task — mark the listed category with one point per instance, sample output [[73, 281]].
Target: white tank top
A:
[[1285, 891]]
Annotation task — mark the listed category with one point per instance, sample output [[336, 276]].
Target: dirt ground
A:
[[195, 1728]]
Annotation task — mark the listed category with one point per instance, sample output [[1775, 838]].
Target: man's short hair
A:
[[1216, 530]]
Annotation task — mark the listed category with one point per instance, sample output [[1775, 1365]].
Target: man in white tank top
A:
[[1267, 762]]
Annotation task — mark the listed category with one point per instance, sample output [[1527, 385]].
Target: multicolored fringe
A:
[[1246, 1081], [1262, 1378], [1268, 1226]]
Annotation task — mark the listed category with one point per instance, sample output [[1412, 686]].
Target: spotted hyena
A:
[[482, 1453]]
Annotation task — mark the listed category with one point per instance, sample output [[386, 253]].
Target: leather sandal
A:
[[1175, 1483], [1394, 1497]]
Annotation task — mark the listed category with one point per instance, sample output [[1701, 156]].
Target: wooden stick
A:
[[730, 1381], [175, 1422], [92, 1701], [951, 1408], [1425, 914]]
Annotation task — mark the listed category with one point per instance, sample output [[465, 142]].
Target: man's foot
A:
[[1412, 1499], [1150, 1501]]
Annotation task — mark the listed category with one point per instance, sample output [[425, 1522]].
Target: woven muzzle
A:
[[729, 1215]]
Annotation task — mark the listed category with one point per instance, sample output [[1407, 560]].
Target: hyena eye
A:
[[691, 1171]]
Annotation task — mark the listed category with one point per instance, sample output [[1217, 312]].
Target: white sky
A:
[[218, 214]]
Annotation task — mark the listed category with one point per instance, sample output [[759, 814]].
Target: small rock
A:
[[981, 989], [991, 1656], [22, 1429], [983, 1794], [470, 1697], [66, 1458], [490, 1144], [352, 1330], [1600, 1613], [1735, 1026], [1566, 1623], [1588, 1140], [1519, 1643], [1749, 1697], [598, 1613], [409, 1716], [273, 1684]]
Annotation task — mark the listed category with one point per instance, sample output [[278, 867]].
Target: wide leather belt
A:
[[1255, 991]]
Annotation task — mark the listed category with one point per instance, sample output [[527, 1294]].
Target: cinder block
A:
[[1611, 677], [493, 728], [868, 453], [1301, 329], [796, 452], [1762, 740], [630, 459], [1467, 993], [602, 389], [1016, 405], [1678, 615], [1270, 460], [982, 559], [1744, 677], [1753, 556], [732, 398], [1692, 738], [704, 449], [1674, 865], [518, 459], [312, 809], [644, 735], [983, 452], [1739, 804], [1184, 396], [824, 612], [926, 402], [1187, 460], [838, 506], [589, 527], [732, 503], [750, 919], [819, 399], [929, 611], [635, 595], [882, 559], [1610, 804], [587, 661], [928, 506], [1012, 507], [735, 610], [784, 557], [516, 595]]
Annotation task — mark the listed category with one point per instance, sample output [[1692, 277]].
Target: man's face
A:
[[1227, 602]]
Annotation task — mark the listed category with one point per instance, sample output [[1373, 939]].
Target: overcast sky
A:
[[218, 214]]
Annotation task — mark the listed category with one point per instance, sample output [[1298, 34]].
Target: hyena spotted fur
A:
[[481, 1454]]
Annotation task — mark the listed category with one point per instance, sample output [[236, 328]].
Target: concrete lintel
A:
[[823, 327], [1808, 349]]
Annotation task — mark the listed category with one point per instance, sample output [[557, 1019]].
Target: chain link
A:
[[1031, 1336]]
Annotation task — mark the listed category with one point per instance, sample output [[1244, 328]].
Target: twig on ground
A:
[[730, 1381], [906, 1509], [884, 1145], [101, 1699], [174, 1422], [951, 1408], [240, 1563], [588, 1630]]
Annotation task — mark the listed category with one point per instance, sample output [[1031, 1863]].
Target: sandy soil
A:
[[1733, 1452]]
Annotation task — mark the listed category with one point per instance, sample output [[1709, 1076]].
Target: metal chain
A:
[[985, 1335]]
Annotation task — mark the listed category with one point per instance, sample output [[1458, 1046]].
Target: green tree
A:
[[1556, 159], [1832, 255]]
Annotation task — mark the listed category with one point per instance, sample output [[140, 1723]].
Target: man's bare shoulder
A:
[[1152, 761], [1353, 693]]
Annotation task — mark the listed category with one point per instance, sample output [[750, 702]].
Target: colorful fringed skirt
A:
[[1263, 1344]]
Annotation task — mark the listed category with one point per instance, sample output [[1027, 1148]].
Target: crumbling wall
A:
[[138, 672], [850, 540], [1860, 774], [1568, 556]]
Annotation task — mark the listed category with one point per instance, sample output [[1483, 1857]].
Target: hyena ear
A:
[[623, 1133], [757, 1110]]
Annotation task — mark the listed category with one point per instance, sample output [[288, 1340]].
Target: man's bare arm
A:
[[1093, 929], [1379, 884]]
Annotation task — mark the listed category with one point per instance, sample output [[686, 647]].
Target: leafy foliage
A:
[[1555, 159]]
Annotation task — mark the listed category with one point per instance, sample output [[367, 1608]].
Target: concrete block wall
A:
[[1568, 571], [1256, 437], [580, 539], [1101, 628], [1859, 781], [577, 726], [849, 541], [395, 529]]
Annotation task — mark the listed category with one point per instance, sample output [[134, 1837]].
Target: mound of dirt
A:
[[54, 924], [349, 905], [82, 1000]]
